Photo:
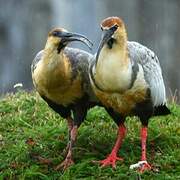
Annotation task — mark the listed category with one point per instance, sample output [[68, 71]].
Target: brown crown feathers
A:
[[111, 21]]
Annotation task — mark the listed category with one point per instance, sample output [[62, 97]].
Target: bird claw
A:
[[110, 160], [65, 164], [144, 167], [141, 166]]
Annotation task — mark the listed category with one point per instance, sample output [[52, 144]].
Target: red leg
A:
[[143, 164], [143, 143], [68, 160], [112, 157]]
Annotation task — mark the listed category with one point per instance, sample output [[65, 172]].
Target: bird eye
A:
[[116, 25], [114, 28], [55, 33]]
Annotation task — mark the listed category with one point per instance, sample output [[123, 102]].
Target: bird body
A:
[[59, 80], [60, 76], [123, 86], [126, 77]]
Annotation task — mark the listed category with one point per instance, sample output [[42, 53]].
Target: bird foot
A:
[[141, 166], [65, 164], [110, 160]]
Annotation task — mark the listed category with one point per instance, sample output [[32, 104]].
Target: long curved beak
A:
[[106, 36], [69, 37]]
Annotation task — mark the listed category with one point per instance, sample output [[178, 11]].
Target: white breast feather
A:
[[112, 74]]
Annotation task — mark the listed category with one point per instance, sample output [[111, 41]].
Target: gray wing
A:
[[36, 60], [80, 61], [152, 71]]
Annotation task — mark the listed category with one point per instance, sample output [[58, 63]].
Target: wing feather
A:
[[152, 71], [36, 60]]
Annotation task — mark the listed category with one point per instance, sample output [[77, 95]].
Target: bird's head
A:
[[113, 34], [59, 38]]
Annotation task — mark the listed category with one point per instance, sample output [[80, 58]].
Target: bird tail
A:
[[161, 110]]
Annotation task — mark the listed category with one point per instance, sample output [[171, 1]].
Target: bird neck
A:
[[52, 58], [117, 54], [55, 67], [113, 69]]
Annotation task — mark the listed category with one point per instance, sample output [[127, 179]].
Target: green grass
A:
[[25, 115]]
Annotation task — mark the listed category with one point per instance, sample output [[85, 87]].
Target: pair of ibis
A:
[[124, 77]]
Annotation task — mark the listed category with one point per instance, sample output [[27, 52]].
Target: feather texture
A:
[[79, 62], [152, 71], [127, 78]]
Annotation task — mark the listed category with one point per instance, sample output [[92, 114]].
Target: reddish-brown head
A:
[[113, 36], [111, 21]]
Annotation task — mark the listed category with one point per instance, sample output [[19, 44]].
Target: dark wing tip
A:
[[161, 110]]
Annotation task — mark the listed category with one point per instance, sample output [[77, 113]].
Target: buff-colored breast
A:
[[124, 102], [58, 84]]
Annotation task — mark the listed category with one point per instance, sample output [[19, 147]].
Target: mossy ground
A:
[[28, 126]]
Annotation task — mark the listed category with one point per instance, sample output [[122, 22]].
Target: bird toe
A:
[[144, 167], [110, 160], [141, 166], [65, 164]]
